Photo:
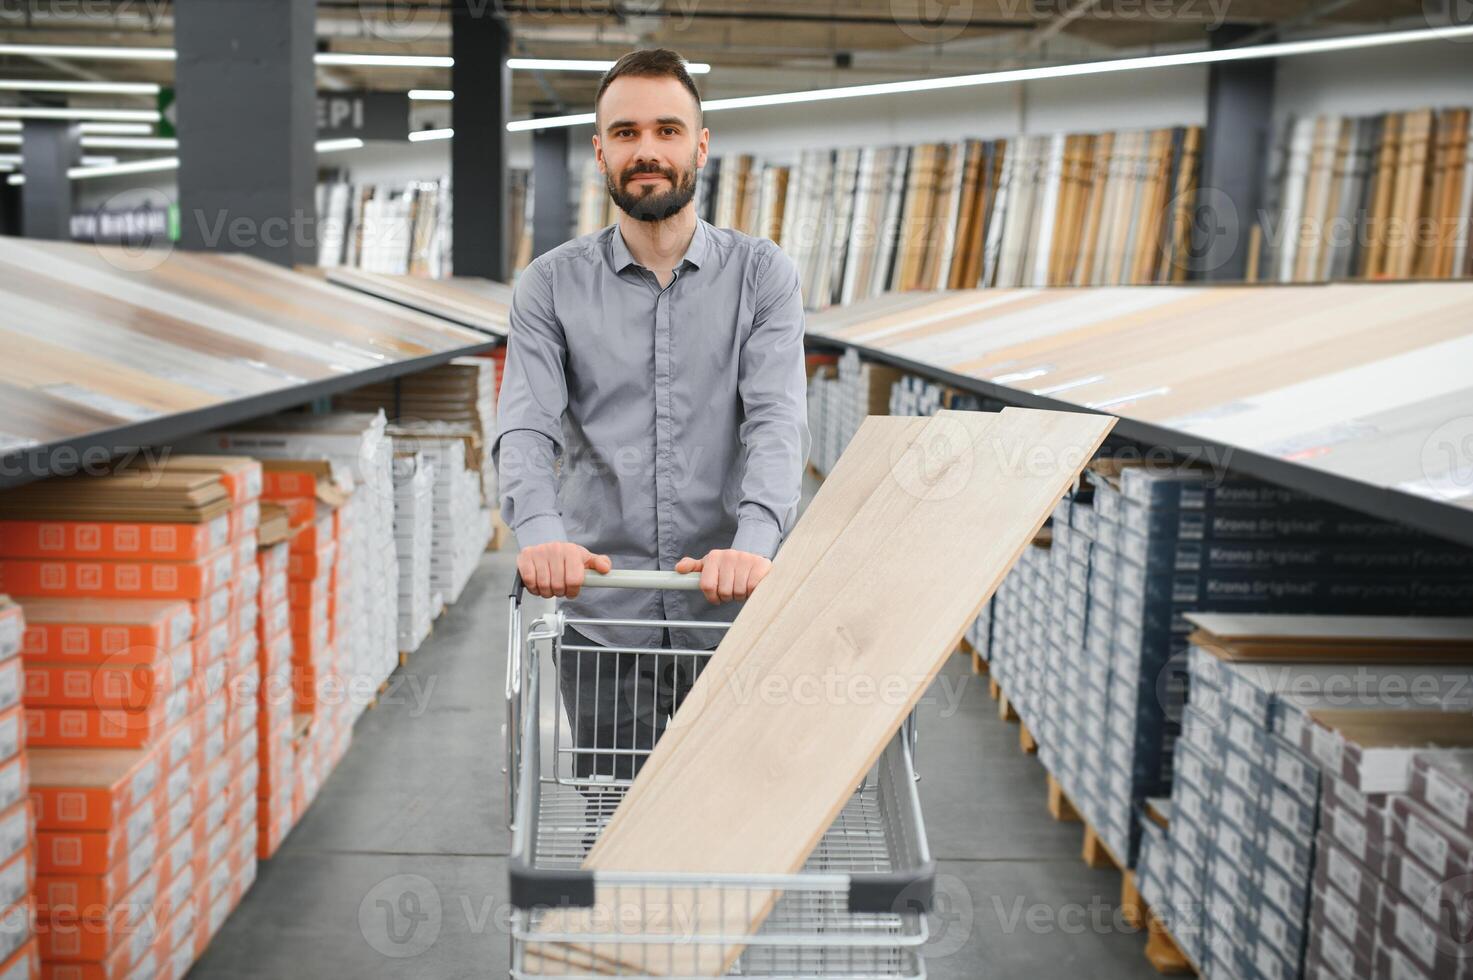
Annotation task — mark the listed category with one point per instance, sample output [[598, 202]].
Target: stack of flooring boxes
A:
[[842, 400], [1094, 628], [18, 947], [274, 692], [143, 765], [460, 522], [1232, 874], [360, 454], [463, 391], [414, 484]]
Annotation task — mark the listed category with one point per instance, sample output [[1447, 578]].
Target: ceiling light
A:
[[334, 146], [130, 142], [425, 135], [344, 59], [114, 129], [1282, 49], [583, 64], [94, 88], [38, 112], [431, 94]]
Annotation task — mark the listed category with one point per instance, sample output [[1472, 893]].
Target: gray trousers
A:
[[620, 701]]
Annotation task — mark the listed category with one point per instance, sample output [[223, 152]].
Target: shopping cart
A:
[[856, 910]]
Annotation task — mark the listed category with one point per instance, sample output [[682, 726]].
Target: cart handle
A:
[[629, 578]]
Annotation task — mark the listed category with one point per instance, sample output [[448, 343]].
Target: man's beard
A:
[[653, 205]]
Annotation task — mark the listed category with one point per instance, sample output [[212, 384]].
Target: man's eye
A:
[[670, 130]]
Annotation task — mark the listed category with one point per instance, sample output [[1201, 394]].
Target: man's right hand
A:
[[556, 568]]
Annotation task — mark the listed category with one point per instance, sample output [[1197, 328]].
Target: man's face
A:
[[648, 146]]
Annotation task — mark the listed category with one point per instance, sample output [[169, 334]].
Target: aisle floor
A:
[[404, 850]]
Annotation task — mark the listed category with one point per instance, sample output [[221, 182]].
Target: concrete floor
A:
[[408, 837]]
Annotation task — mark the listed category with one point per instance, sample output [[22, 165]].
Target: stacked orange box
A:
[[303, 487], [18, 948], [276, 761], [144, 758]]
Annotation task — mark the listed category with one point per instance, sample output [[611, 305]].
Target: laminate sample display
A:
[[906, 539], [1365, 381], [98, 339], [482, 304]]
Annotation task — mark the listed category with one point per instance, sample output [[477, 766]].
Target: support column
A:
[[551, 216], [1235, 148], [480, 40], [247, 122], [49, 147]]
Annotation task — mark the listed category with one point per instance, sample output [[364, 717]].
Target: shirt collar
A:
[[695, 252]]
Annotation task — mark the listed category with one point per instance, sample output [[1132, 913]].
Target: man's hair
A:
[[651, 63]]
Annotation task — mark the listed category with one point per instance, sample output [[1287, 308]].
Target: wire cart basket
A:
[[856, 910]]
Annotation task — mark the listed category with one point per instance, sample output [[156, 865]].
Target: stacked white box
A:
[[414, 504], [461, 526]]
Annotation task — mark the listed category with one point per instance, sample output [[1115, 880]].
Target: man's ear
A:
[[598, 153]]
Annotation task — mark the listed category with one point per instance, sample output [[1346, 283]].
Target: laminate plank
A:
[[886, 603]]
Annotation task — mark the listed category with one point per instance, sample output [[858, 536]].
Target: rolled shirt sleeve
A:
[[774, 432], [534, 395]]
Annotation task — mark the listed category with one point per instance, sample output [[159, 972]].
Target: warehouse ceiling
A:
[[753, 46]]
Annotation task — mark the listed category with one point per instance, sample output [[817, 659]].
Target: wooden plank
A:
[[885, 602], [1026, 741]]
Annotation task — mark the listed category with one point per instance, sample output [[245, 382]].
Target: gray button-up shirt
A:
[[679, 414]]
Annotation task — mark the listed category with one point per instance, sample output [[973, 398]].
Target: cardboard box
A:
[[97, 630], [92, 789], [1442, 781], [115, 540], [107, 685], [240, 476], [118, 579]]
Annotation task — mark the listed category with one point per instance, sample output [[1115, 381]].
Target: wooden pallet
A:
[[1162, 952], [1059, 805]]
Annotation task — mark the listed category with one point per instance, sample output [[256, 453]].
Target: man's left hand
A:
[[727, 574]]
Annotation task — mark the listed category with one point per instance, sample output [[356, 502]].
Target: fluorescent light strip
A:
[[583, 64], [37, 112], [130, 142], [430, 95], [96, 88], [172, 163], [1283, 49], [425, 135], [348, 60], [131, 167], [87, 51], [334, 146], [113, 129]]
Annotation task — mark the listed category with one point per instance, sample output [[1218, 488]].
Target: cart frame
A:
[[856, 911]]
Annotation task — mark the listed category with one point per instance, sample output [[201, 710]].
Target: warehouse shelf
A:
[[997, 344], [109, 351]]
